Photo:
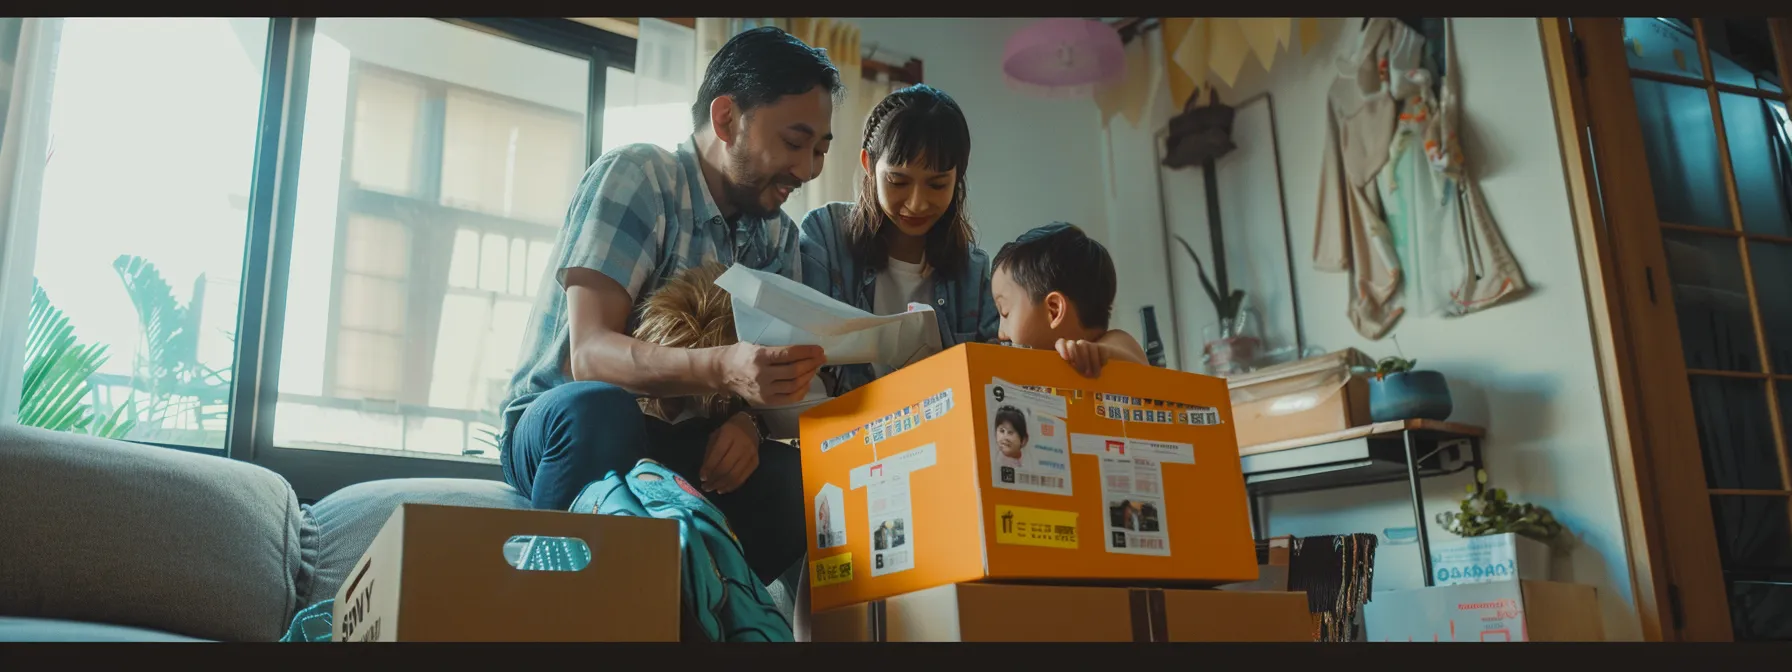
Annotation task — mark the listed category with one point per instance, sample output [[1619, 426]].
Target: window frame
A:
[[439, 226], [314, 473]]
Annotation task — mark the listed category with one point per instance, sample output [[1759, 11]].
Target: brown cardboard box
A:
[[1272, 573], [445, 574], [989, 612], [1302, 398], [1499, 611], [1231, 616]]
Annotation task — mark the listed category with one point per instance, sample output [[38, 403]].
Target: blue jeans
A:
[[580, 431]]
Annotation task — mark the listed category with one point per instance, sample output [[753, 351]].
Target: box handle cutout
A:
[[547, 554]]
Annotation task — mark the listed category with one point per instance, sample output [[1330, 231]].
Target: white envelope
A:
[[773, 310]]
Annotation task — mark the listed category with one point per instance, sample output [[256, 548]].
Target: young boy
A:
[[1054, 288]]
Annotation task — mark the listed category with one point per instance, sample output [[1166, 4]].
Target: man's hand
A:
[[732, 455], [1087, 357], [770, 376]]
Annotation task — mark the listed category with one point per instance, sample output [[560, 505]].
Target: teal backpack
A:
[[722, 596]]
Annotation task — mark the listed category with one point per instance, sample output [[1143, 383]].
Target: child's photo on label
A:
[[1028, 440]]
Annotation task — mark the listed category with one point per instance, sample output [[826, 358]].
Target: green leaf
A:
[[57, 369], [1213, 295]]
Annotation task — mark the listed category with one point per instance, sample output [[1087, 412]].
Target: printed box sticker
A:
[[889, 426], [837, 441], [907, 418], [1201, 415], [1152, 411], [887, 508], [1028, 439], [1035, 527], [1069, 395], [937, 405], [1132, 496], [831, 570], [892, 548], [830, 517]]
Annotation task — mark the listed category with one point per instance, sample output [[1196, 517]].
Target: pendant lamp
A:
[[1064, 57]]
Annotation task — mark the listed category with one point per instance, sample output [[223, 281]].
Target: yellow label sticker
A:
[[1035, 527], [831, 570]]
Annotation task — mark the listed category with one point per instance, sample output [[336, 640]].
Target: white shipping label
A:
[[894, 465], [892, 528], [830, 517], [936, 405], [1029, 441], [1132, 492]]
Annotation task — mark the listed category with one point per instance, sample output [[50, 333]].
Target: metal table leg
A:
[[1259, 525], [1418, 505]]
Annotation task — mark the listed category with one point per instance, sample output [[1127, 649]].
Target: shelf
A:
[[1379, 430], [1365, 455]]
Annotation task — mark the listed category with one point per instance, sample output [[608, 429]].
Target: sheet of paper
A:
[[772, 310], [1132, 489], [887, 507], [781, 421]]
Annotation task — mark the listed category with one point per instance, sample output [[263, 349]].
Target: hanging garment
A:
[[1350, 234], [1415, 199], [1475, 270]]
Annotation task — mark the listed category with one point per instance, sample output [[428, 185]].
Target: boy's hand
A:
[[1087, 357], [732, 455]]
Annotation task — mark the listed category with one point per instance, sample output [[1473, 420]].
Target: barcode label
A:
[[1054, 482], [1148, 543], [835, 539]]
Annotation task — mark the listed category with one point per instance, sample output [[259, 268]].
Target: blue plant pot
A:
[[1413, 395]]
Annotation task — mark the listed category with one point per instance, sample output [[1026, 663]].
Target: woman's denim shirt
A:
[[966, 310]]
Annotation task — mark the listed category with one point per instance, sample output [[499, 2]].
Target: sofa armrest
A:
[[121, 533]]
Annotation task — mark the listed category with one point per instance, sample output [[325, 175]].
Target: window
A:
[[380, 196], [437, 167], [142, 221]]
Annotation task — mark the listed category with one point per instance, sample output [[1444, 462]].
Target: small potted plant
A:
[[1502, 539], [1398, 392], [1230, 345]]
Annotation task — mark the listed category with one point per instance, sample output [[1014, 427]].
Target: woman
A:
[[908, 239]]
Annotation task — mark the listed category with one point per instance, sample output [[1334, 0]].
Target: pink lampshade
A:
[[1064, 55]]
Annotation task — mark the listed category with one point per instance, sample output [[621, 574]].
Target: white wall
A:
[[1524, 370], [1033, 160]]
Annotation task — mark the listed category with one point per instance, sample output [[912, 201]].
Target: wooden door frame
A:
[[1676, 573]]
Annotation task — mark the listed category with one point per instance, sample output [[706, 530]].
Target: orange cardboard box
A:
[[950, 471]]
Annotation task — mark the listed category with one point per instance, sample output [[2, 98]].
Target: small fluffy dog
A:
[[690, 311]]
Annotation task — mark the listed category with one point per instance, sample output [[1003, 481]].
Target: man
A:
[[642, 214]]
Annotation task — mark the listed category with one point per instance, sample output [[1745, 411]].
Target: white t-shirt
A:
[[899, 284]]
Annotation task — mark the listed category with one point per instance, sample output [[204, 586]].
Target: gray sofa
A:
[[105, 540]]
